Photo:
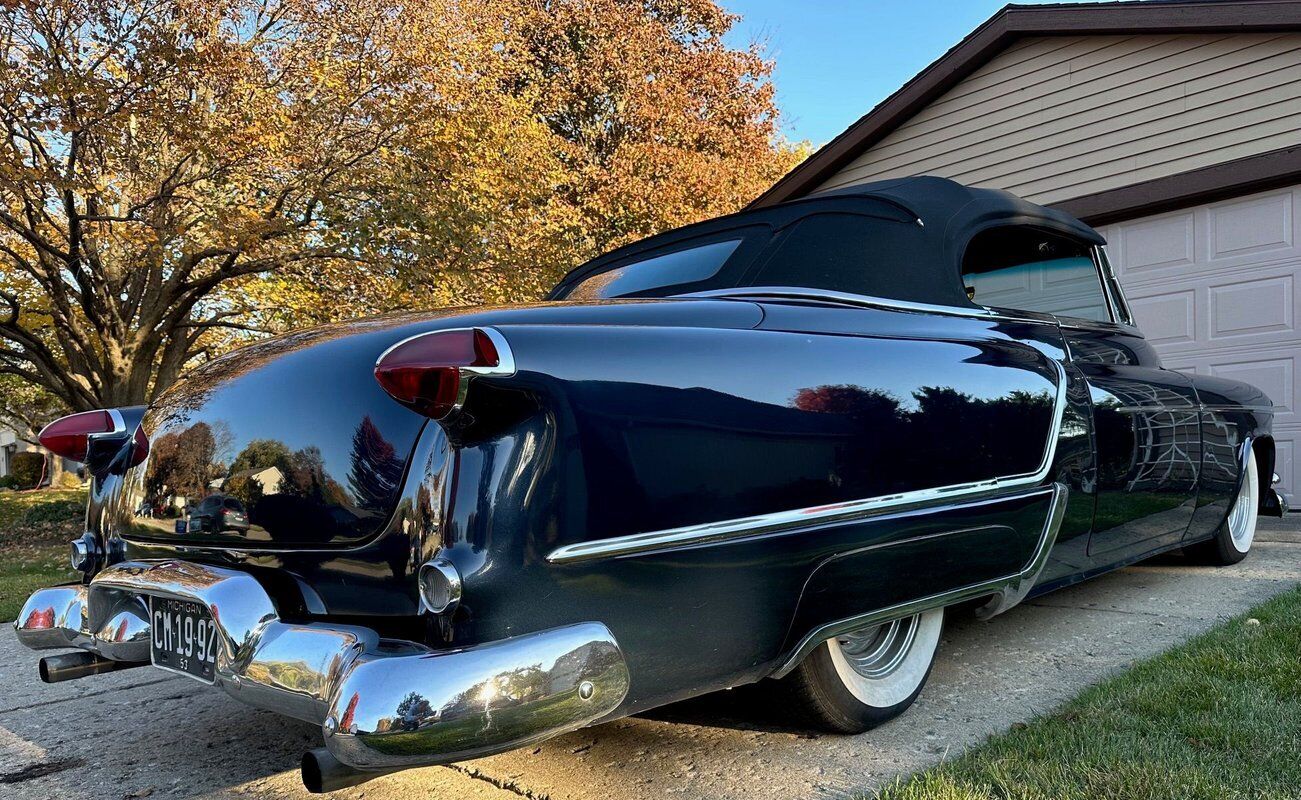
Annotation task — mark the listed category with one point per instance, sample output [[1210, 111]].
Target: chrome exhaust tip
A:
[[323, 773], [70, 666]]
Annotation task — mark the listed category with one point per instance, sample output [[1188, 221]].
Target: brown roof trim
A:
[[1256, 173], [1013, 22]]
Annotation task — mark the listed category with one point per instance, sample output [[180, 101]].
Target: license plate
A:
[[184, 637]]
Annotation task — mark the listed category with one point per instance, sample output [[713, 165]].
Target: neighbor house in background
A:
[[1172, 127], [11, 444]]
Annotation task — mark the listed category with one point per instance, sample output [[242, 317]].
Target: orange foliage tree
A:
[[179, 175]]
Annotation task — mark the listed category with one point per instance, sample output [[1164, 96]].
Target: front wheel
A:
[[1232, 541], [857, 681]]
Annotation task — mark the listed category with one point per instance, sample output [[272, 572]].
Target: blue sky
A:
[[838, 58]]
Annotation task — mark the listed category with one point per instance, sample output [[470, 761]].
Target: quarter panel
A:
[[638, 430], [919, 554], [692, 426]]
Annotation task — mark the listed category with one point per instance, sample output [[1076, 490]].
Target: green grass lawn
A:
[[1218, 717], [21, 575], [35, 528]]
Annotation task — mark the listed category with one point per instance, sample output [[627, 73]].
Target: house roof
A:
[[1013, 22]]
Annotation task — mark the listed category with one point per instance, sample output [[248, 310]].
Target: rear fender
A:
[[639, 434]]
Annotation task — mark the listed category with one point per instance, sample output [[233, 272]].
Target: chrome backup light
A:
[[440, 585], [84, 552]]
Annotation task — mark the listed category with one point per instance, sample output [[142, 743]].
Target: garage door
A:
[[1215, 290]]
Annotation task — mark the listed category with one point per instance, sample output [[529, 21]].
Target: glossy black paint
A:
[[1147, 423], [635, 416], [609, 437]]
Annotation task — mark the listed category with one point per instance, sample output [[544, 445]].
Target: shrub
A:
[[27, 469], [55, 511], [8, 482], [68, 480]]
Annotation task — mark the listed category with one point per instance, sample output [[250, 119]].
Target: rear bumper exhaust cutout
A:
[[382, 704]]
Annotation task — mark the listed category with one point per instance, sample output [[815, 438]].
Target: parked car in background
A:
[[772, 447], [218, 514]]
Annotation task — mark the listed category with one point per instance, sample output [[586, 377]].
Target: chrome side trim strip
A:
[[638, 544], [862, 300], [1008, 591], [1021, 584], [1229, 408], [1190, 407]]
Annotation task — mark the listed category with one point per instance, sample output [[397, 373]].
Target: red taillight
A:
[[70, 436], [139, 447], [427, 372]]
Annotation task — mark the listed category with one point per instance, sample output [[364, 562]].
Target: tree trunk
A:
[[54, 468]]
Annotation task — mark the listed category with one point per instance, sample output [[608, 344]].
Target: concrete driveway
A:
[[141, 733]]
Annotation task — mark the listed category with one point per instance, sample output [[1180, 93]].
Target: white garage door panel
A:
[[1215, 290], [1263, 305]]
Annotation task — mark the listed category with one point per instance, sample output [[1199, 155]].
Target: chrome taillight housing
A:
[[71, 436], [429, 373]]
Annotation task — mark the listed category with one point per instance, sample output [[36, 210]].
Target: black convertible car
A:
[[774, 447]]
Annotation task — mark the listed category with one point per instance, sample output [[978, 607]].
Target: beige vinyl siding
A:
[[1057, 117]]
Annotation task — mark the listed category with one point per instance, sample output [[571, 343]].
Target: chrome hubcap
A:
[[878, 652]]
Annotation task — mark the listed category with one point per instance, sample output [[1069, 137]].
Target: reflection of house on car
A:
[[268, 479]]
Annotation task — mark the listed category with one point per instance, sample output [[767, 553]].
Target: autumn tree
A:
[[25, 407], [179, 175], [376, 468], [661, 122], [184, 462]]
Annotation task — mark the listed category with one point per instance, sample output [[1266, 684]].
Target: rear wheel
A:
[[1232, 541], [857, 681]]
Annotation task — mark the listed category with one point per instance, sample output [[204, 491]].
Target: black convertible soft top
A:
[[946, 213]]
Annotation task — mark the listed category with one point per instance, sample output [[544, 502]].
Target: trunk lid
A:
[[288, 443], [293, 444]]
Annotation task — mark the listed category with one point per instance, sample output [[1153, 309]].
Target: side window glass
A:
[[689, 265], [855, 253], [1034, 270]]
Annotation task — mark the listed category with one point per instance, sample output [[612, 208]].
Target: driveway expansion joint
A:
[[1154, 614], [505, 785], [88, 695], [39, 770]]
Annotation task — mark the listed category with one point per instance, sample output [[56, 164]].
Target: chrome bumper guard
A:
[[381, 703]]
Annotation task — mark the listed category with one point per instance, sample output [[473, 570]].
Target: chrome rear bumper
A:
[[381, 703]]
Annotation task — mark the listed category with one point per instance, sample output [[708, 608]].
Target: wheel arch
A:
[[1266, 454]]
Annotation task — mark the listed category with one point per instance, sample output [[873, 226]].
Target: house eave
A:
[[1013, 22]]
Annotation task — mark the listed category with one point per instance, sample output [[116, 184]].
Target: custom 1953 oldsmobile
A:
[[771, 447]]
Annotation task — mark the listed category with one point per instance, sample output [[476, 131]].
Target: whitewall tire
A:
[[856, 681], [1233, 540]]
